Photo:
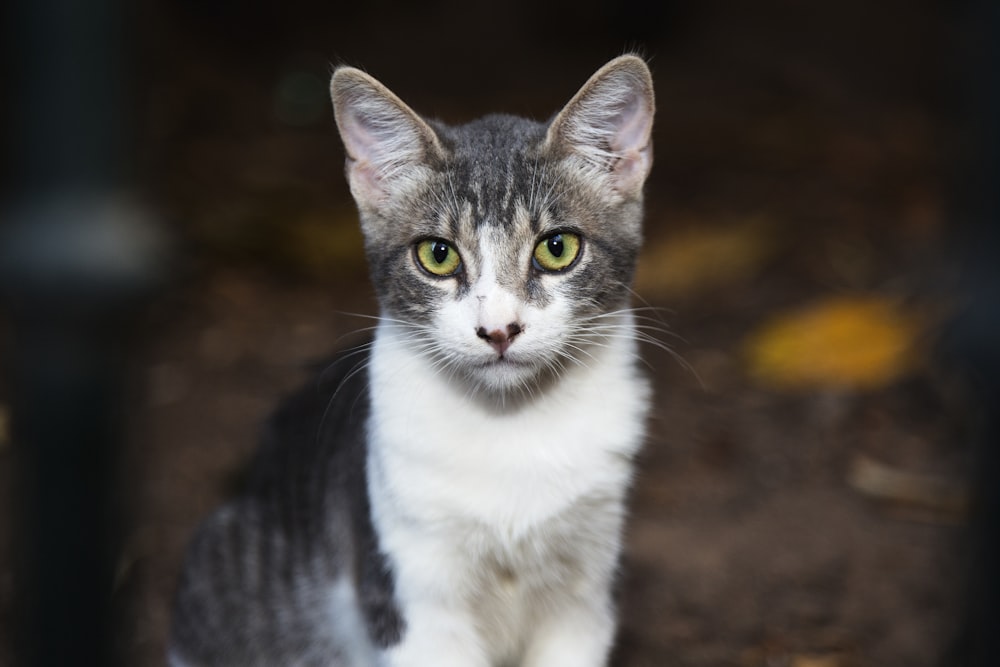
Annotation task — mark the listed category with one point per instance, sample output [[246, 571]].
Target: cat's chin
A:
[[504, 374]]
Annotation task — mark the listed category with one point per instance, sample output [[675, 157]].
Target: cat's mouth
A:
[[504, 361], [502, 372], [506, 368]]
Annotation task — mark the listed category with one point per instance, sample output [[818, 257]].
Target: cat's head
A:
[[505, 245]]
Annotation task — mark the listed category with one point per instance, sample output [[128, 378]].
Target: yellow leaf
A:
[[702, 258], [861, 343]]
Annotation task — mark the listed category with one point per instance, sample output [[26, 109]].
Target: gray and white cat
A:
[[455, 495]]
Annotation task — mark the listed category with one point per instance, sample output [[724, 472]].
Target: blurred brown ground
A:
[[803, 152]]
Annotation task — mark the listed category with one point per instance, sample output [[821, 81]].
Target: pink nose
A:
[[500, 340]]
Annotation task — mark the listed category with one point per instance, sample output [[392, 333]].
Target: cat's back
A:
[[266, 571]]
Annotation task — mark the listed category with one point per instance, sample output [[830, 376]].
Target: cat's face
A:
[[505, 246]]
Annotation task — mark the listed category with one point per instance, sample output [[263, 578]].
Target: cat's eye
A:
[[438, 257], [557, 252]]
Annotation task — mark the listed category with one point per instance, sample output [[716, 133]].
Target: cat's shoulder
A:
[[322, 420]]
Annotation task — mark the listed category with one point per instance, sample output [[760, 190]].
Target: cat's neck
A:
[[437, 450]]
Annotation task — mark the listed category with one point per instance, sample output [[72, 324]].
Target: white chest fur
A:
[[496, 515]]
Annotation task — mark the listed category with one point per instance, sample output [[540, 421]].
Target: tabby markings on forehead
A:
[[493, 193], [508, 192]]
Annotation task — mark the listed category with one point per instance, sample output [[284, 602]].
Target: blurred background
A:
[[178, 247]]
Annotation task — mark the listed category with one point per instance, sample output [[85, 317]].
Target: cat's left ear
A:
[[607, 126]]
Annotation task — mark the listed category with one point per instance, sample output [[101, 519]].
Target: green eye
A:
[[438, 258], [557, 252]]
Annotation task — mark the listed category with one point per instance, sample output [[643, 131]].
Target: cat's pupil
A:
[[440, 252], [556, 245]]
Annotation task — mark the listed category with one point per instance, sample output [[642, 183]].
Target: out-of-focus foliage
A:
[[703, 257], [940, 498], [321, 243], [323, 247], [844, 342]]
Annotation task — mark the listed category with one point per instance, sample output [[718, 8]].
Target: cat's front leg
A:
[[439, 636], [578, 636]]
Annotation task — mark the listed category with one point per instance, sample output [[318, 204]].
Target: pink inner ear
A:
[[631, 142], [361, 145], [364, 181], [633, 126], [358, 140], [631, 168]]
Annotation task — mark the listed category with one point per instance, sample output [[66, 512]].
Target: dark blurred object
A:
[[75, 259], [975, 337], [67, 105]]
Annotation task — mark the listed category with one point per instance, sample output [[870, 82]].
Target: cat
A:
[[454, 493]]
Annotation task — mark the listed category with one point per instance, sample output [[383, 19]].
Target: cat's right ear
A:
[[387, 143]]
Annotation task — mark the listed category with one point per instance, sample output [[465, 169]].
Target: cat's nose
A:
[[499, 339]]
